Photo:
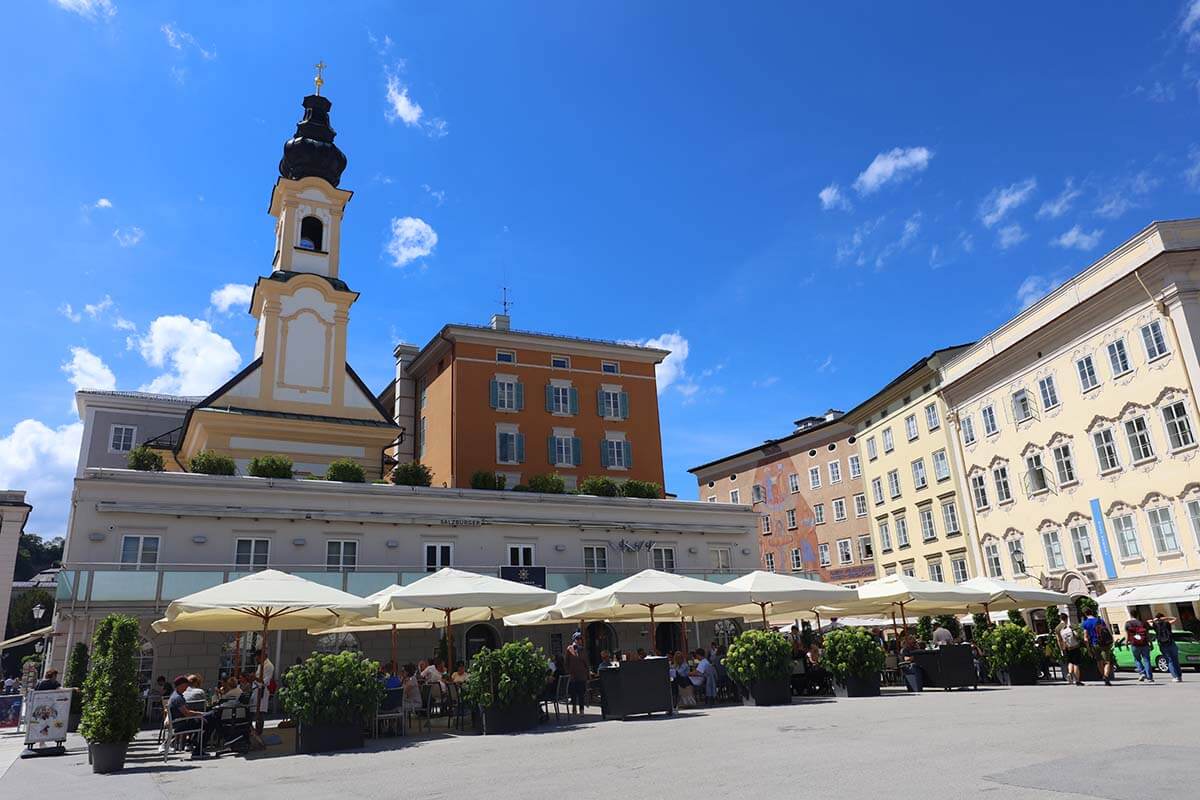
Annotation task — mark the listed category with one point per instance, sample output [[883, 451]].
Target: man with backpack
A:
[[1100, 639], [1166, 644], [1068, 642], [1139, 644]]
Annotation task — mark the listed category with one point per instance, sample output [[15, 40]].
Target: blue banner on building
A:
[[1110, 567]]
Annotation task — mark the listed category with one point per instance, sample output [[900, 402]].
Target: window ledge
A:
[[1054, 407], [905, 546], [1091, 388], [1169, 555], [1039, 492], [982, 509], [930, 539], [1186, 448], [625, 469], [1132, 560], [791, 527], [951, 534], [1158, 357], [1069, 484], [1123, 374], [1144, 461], [1007, 502], [1106, 472]]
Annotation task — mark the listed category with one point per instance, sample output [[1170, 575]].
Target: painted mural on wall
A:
[[777, 499]]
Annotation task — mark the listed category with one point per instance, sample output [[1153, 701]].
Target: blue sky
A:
[[800, 199]]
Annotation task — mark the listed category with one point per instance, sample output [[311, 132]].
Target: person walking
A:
[[1068, 642], [1100, 641], [578, 671], [1139, 644], [1166, 644]]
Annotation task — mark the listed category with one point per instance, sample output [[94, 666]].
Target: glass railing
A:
[[164, 583]]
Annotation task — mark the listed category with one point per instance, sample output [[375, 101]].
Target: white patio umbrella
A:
[[451, 595], [785, 594], [376, 622], [649, 591], [913, 594], [1010, 595], [552, 614]]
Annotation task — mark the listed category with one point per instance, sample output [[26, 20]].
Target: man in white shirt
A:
[[941, 636], [266, 677], [704, 675], [195, 690]]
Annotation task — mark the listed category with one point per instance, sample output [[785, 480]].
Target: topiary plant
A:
[[206, 462], [551, 483], [1084, 604], [852, 653], [77, 666], [486, 479], [759, 656], [599, 486], [144, 459], [332, 689], [414, 473], [513, 675], [1016, 618], [346, 470], [925, 628], [112, 709], [643, 489], [1010, 645], [271, 467], [981, 622]]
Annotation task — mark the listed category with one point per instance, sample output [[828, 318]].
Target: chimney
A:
[[500, 322], [832, 414]]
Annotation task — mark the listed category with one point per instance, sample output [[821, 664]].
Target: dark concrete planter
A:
[[107, 757], [1018, 675], [777, 692], [511, 719], [329, 738], [857, 686]]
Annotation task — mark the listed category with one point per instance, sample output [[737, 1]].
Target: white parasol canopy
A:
[[772, 593], [904, 593], [1010, 595], [552, 614]]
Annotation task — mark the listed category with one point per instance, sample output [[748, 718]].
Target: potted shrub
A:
[[112, 707], [551, 483], [330, 696], [413, 473], [346, 470], [77, 667], [206, 462], [1012, 654], [486, 479], [762, 660], [855, 660], [925, 629], [1016, 618], [600, 487], [271, 467], [144, 459], [505, 684], [643, 489]]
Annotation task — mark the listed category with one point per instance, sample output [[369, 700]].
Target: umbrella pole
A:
[[449, 642], [653, 631], [904, 618], [237, 655], [763, 608], [394, 667], [818, 613], [683, 629], [896, 631]]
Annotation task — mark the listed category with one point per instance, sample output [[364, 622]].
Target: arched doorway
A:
[[600, 636], [726, 630], [668, 638], [479, 636]]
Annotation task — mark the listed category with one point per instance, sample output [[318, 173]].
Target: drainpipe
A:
[[960, 462]]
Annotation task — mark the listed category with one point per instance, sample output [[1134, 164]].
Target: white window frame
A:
[[877, 491], [991, 425], [1154, 341], [889, 441], [598, 555], [866, 549], [797, 560], [845, 551], [506, 393], [143, 561], [790, 517], [1118, 358], [765, 526], [814, 477], [443, 555], [1137, 436], [823, 554], [902, 539], [894, 488], [1125, 531], [615, 449], [610, 403], [794, 483], [610, 367], [114, 446], [506, 357], [818, 514], [1108, 457], [933, 420], [721, 559], [950, 517], [1048, 391], [839, 509], [252, 561], [526, 554], [1162, 525], [1081, 545], [1052, 545], [1035, 466], [941, 465], [566, 362], [835, 472], [911, 431], [757, 493], [735, 497], [860, 505], [560, 399], [934, 566], [991, 558], [920, 479], [1022, 406], [662, 556], [769, 561], [872, 449], [885, 536], [855, 465], [1064, 464], [1003, 487], [979, 493], [564, 450], [968, 429], [928, 526], [344, 563], [512, 447], [1178, 424], [958, 569], [1016, 554], [1085, 368]]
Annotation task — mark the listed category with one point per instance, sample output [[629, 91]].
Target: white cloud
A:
[[966, 241], [1190, 25], [1010, 236], [89, 9], [1078, 239], [852, 248], [177, 39], [400, 105], [827, 364], [197, 358], [1056, 207], [765, 383], [128, 237], [86, 370], [70, 313], [1002, 200], [412, 238], [123, 324], [895, 165], [912, 226], [94, 310], [674, 367], [439, 195], [1192, 173], [1157, 92], [1034, 288], [41, 460], [103, 202], [831, 197], [230, 295], [1126, 195]]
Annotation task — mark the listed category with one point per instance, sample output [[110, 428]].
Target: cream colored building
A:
[[1077, 421], [909, 471]]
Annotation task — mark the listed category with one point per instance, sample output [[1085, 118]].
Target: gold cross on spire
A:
[[319, 81]]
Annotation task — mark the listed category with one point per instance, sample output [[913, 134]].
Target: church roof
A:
[[311, 153]]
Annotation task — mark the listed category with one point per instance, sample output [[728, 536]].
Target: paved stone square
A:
[[1127, 742]]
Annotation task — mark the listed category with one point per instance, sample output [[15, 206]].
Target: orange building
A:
[[520, 404]]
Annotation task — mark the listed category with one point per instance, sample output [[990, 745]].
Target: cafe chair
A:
[[391, 710]]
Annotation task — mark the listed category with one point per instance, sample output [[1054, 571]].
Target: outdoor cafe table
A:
[[635, 687]]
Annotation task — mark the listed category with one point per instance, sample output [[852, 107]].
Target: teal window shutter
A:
[[504, 448], [604, 453], [600, 402], [574, 400], [576, 451], [549, 397], [520, 437], [550, 451], [520, 397], [628, 455], [494, 389], [624, 402]]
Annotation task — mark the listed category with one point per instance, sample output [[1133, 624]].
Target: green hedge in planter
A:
[[486, 479], [1009, 646], [512, 675], [852, 653], [414, 473], [112, 707], [643, 489], [925, 629], [759, 656], [332, 689], [206, 462], [77, 666], [271, 467], [600, 487], [1015, 617], [144, 459], [550, 483], [346, 470]]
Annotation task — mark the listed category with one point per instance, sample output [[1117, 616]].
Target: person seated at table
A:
[[391, 680], [412, 689], [683, 683], [432, 677], [942, 637], [246, 684], [195, 688], [816, 677], [184, 718], [704, 676], [641, 654], [229, 692]]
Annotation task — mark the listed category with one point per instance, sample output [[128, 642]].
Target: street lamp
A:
[[39, 611]]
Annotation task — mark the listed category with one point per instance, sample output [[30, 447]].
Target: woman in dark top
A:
[[48, 682]]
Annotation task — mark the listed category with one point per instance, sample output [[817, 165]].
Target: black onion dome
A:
[[311, 153]]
